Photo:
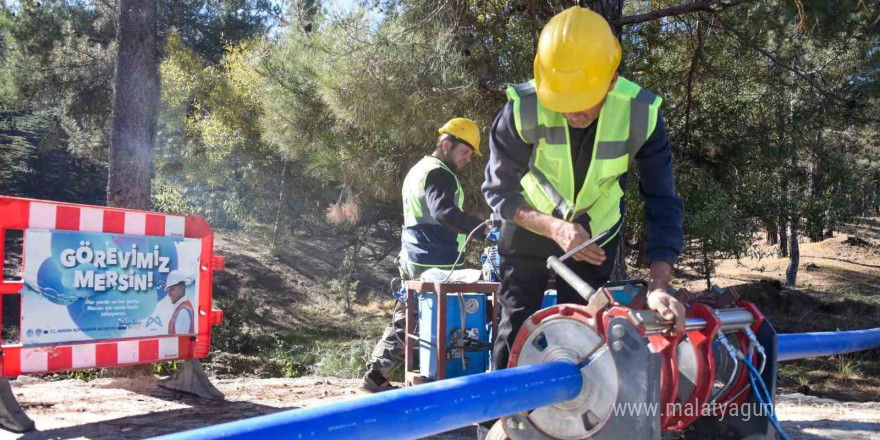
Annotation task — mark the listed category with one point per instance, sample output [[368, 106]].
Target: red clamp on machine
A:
[[639, 379]]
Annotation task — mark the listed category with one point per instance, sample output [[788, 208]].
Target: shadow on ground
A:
[[155, 424]]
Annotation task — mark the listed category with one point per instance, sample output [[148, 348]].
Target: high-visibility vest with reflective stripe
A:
[[187, 307], [626, 120], [415, 205]]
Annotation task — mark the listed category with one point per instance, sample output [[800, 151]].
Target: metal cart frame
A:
[[412, 340]]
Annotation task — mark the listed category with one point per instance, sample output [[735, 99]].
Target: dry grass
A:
[[344, 213]]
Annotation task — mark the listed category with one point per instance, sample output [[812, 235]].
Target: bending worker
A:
[[434, 231], [561, 149]]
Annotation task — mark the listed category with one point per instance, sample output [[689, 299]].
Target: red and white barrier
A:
[[26, 214]]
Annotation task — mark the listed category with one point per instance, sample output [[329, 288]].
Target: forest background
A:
[[287, 119]]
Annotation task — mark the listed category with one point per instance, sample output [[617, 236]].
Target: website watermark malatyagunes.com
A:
[[744, 411]]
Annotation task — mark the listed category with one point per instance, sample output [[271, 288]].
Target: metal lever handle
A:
[[580, 286]]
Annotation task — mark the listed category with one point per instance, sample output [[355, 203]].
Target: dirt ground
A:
[[139, 408], [843, 264], [838, 288], [125, 408]]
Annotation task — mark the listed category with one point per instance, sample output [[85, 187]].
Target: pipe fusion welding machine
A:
[[639, 379]]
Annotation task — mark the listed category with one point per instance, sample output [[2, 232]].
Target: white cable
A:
[[464, 248]]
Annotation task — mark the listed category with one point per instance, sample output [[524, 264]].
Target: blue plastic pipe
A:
[[437, 407], [413, 412], [805, 345]]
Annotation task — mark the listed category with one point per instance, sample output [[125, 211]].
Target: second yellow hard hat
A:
[[464, 129], [576, 60]]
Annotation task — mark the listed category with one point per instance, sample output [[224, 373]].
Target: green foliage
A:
[[326, 358], [847, 368], [85, 375], [169, 199], [771, 110], [714, 224], [346, 360], [343, 289], [291, 359], [34, 162], [60, 55], [165, 368], [762, 111], [61, 59], [360, 101], [209, 146], [208, 26], [237, 335]]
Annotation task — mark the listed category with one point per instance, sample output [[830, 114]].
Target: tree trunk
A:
[[352, 265], [772, 233], [791, 272], [794, 260], [707, 265], [135, 105], [135, 113], [641, 253], [618, 273], [876, 196], [533, 11], [612, 11], [816, 219], [280, 200], [783, 238], [830, 221]]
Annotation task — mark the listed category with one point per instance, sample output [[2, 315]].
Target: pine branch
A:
[[745, 41], [705, 6], [494, 85]]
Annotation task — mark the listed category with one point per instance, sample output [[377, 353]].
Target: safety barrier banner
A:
[[106, 287]]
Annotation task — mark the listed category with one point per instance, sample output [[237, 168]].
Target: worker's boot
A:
[[374, 382]]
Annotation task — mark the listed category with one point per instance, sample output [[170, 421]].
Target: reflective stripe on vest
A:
[[415, 204], [626, 120]]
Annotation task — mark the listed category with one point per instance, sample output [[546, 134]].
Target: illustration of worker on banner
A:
[[85, 286], [176, 304]]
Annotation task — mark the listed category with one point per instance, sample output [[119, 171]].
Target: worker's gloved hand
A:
[[494, 235]]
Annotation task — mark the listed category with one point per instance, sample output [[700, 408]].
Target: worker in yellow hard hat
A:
[[434, 230], [560, 154]]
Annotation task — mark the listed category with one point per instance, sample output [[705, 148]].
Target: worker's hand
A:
[[569, 235], [668, 308], [659, 298]]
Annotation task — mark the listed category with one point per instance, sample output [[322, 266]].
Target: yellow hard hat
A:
[[577, 58], [464, 130]]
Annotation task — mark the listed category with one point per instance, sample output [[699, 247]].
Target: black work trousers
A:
[[523, 282]]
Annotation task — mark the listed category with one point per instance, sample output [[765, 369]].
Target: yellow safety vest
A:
[[626, 120], [416, 213]]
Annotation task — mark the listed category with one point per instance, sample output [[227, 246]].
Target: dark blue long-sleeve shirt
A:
[[509, 162], [440, 189]]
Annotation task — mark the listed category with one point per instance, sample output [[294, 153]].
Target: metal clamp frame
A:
[[617, 368]]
